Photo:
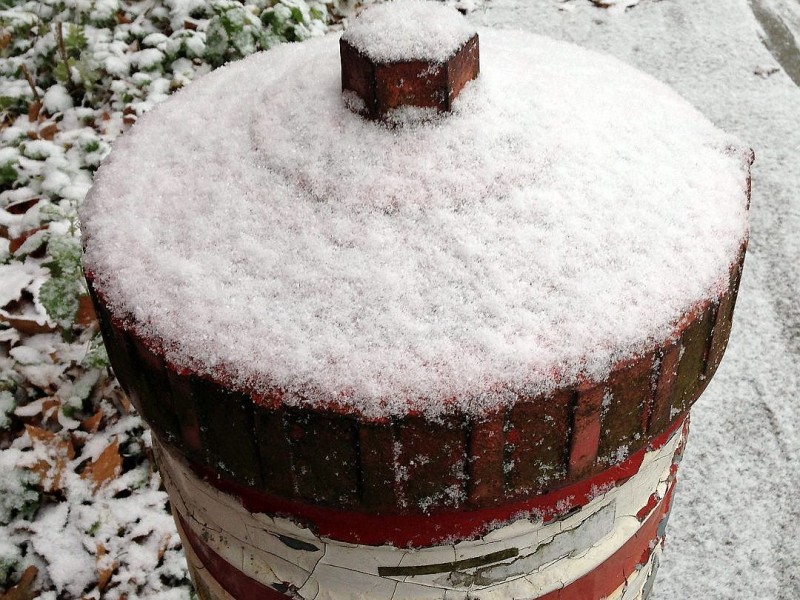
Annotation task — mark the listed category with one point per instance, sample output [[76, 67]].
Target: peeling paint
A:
[[527, 558], [432, 569]]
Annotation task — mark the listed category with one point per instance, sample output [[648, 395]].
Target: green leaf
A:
[[62, 73], [92, 146], [17, 493], [59, 294], [96, 357], [65, 256], [59, 297], [75, 41], [7, 405], [8, 175]]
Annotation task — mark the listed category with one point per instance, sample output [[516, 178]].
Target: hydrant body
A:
[[430, 330]]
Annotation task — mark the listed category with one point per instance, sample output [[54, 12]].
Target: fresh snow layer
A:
[[409, 30], [562, 218]]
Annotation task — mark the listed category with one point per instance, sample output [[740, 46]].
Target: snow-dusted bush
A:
[[18, 496]]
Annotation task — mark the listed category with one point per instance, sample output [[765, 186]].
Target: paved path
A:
[[733, 533]]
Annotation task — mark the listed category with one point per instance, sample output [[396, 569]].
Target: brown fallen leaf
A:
[[5, 39], [49, 131], [85, 315], [24, 589], [56, 444], [37, 434], [163, 547], [26, 325], [78, 439], [125, 403], [50, 408], [107, 467], [92, 424], [21, 207], [50, 471], [34, 108], [16, 243], [50, 474], [105, 567]]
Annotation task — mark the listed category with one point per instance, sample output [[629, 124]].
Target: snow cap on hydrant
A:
[[405, 327]]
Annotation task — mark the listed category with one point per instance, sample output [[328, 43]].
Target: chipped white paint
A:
[[524, 559], [204, 583]]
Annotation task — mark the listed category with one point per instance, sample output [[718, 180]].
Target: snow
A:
[[147, 58], [26, 355], [551, 225], [116, 65], [730, 534], [57, 99], [14, 278], [409, 30], [64, 553]]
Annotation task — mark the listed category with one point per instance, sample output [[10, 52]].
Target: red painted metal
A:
[[585, 430], [423, 530]]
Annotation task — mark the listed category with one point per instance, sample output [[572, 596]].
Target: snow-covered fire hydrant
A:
[[423, 329]]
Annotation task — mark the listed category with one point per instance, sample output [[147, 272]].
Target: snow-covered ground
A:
[[731, 533]]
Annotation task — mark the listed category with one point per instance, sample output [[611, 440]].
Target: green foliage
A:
[[8, 175], [7, 405], [59, 294], [295, 20], [237, 30], [10, 558], [7, 102], [75, 41], [18, 495], [96, 357], [233, 33], [62, 71]]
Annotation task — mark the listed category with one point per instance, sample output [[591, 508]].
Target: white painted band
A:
[[524, 559]]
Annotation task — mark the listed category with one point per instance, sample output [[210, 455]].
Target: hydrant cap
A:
[[564, 216], [406, 30]]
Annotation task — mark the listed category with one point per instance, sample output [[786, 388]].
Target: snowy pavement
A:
[[732, 531]]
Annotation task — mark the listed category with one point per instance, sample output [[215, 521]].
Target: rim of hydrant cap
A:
[[374, 201]]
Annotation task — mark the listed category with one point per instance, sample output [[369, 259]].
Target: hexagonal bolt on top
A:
[[389, 61]]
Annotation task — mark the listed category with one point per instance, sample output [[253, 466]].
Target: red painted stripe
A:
[[423, 530], [598, 583], [233, 581], [612, 574], [585, 437]]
